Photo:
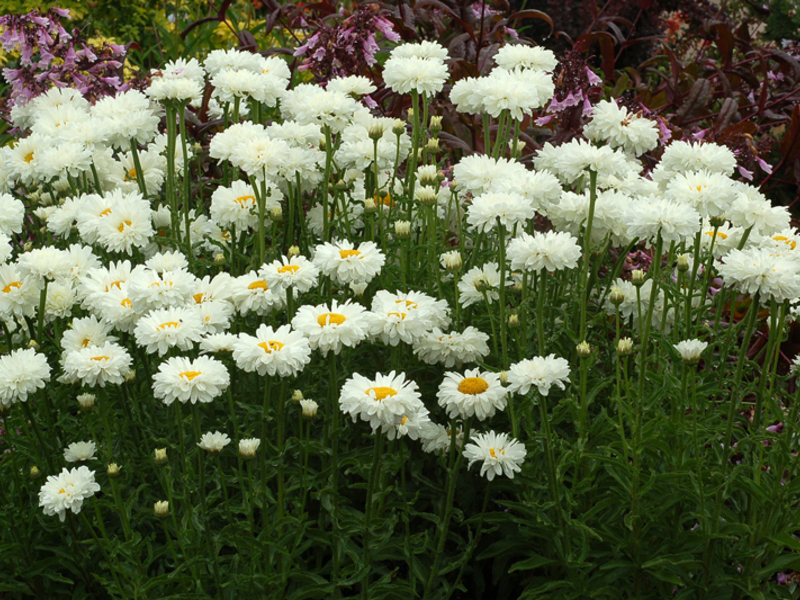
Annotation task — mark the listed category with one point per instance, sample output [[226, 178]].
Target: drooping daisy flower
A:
[[248, 447], [500, 455], [540, 372], [437, 438], [22, 373], [186, 380], [283, 352], [346, 263], [330, 328], [452, 349], [474, 393], [550, 251], [80, 451], [165, 328], [214, 442], [97, 365], [67, 491], [383, 400]]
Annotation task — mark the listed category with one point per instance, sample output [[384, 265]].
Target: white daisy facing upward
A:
[[296, 272], [283, 352], [185, 380], [328, 328], [540, 372], [67, 491], [474, 393], [500, 455], [165, 328], [97, 365], [383, 400]]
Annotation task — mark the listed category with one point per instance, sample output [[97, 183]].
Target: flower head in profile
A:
[[761, 270], [541, 372], [199, 380], [551, 251], [67, 491], [495, 209], [452, 349], [214, 442], [499, 454], [691, 350], [80, 451]]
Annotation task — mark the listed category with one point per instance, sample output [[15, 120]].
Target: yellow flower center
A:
[[198, 298], [99, 358], [404, 421], [126, 302], [13, 284], [381, 392], [349, 253], [720, 235], [168, 324], [116, 284], [492, 452], [105, 212], [258, 285], [700, 188], [397, 314], [473, 385], [331, 319], [131, 175], [288, 269], [242, 200], [28, 157], [122, 225], [191, 374], [782, 238], [409, 303], [62, 491], [271, 346]]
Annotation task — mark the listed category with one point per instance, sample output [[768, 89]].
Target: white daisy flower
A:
[[45, 263], [236, 206], [85, 332], [540, 372], [331, 327], [509, 209], [19, 296], [452, 349], [613, 124], [250, 293], [165, 328], [383, 400], [346, 263], [97, 365], [478, 280], [67, 491], [476, 392], [248, 447], [500, 455], [296, 271], [551, 251], [423, 75], [149, 290], [80, 451], [283, 352], [22, 372], [12, 211], [691, 350], [214, 442], [186, 380], [760, 270]]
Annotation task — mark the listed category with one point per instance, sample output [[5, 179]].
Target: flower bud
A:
[[323, 144], [451, 260], [519, 149], [410, 113], [248, 447], [35, 472], [370, 206], [428, 175], [309, 408], [584, 349], [683, 262], [160, 456], [293, 251], [625, 346], [297, 395], [637, 277], [617, 296], [161, 508], [376, 130], [33, 344], [426, 195], [716, 222], [402, 229], [358, 287], [432, 145], [436, 124], [131, 376], [399, 127], [513, 320], [276, 214], [341, 185], [27, 246], [504, 378], [219, 259], [113, 470]]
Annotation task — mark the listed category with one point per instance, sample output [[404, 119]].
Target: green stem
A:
[[373, 476]]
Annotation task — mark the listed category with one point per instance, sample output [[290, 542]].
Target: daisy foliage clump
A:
[[233, 253]]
